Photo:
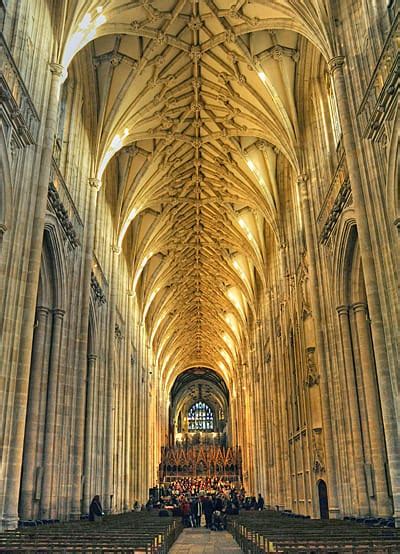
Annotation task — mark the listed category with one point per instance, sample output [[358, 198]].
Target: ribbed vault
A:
[[195, 108]]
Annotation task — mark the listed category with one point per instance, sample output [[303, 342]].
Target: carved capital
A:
[[94, 183], [58, 69], [302, 179], [92, 357], [359, 307], [42, 311], [335, 63], [342, 310], [57, 312], [116, 249]]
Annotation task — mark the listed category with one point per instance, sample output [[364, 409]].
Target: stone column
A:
[[323, 362], [49, 437], [10, 517], [90, 421], [371, 284], [349, 382], [29, 461], [109, 438], [378, 449], [80, 381]]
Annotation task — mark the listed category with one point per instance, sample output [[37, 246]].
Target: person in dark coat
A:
[[95, 509], [208, 509], [196, 509], [260, 502]]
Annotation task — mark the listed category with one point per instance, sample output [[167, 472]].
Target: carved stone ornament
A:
[[98, 293], [118, 332], [62, 215], [312, 371], [318, 451]]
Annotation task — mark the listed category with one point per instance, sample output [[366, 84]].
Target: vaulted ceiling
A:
[[195, 107]]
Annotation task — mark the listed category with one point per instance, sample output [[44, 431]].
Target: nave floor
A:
[[203, 541]]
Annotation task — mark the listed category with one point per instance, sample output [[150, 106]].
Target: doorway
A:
[[323, 499]]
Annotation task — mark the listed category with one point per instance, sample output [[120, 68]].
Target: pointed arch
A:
[[5, 185], [53, 240]]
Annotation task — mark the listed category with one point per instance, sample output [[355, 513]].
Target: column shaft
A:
[[49, 436], [30, 444], [90, 424], [383, 504], [320, 343], [109, 435], [80, 381], [349, 382]]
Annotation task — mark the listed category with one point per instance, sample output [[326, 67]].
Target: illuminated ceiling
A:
[[195, 108]]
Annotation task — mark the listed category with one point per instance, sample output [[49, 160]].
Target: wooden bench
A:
[[129, 533], [259, 532]]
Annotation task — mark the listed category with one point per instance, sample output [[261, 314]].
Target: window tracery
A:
[[200, 417]]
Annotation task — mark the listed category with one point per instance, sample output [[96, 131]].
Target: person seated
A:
[[218, 521], [163, 512], [95, 509], [137, 507]]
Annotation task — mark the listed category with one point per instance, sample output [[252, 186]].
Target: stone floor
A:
[[203, 541]]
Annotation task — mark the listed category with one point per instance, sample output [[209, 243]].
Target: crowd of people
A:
[[195, 497], [192, 498]]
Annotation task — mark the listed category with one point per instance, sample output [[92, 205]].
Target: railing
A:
[[64, 206], [14, 93], [335, 200], [383, 87]]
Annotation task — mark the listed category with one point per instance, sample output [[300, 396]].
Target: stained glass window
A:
[[200, 417]]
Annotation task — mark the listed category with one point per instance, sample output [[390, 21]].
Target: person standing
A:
[[95, 509], [197, 510], [208, 509], [260, 502]]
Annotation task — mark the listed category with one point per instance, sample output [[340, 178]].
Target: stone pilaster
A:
[[30, 445], [323, 362], [109, 438], [355, 438], [80, 382], [50, 438]]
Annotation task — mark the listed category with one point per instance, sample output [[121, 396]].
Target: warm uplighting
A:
[[125, 226], [86, 32], [116, 144], [262, 76], [246, 228], [140, 269]]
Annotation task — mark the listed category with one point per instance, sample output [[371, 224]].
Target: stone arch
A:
[[53, 243], [5, 186], [342, 257], [393, 162], [41, 445], [362, 407]]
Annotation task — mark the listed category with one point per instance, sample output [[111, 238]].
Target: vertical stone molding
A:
[[378, 447], [330, 461], [80, 378], [351, 402], [110, 382], [49, 463], [30, 461], [90, 425]]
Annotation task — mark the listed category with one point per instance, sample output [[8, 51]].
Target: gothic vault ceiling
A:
[[195, 107]]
